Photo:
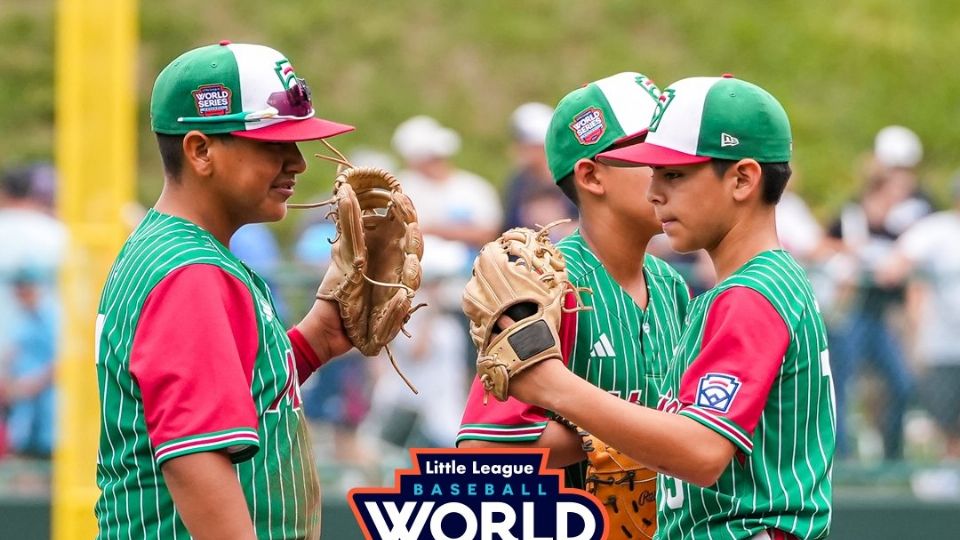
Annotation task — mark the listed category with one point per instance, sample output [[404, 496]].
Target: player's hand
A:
[[324, 330], [537, 385]]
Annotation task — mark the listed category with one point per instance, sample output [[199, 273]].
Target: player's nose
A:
[[293, 160], [655, 191]]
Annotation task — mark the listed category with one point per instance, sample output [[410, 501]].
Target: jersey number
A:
[[674, 498], [828, 373]]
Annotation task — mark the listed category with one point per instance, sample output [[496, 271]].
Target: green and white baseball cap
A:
[[704, 118], [594, 117], [246, 90]]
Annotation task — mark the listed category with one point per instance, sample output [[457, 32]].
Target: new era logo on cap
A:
[[728, 140], [697, 118]]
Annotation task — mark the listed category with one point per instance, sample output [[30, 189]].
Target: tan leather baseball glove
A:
[[627, 489], [375, 258], [521, 274]]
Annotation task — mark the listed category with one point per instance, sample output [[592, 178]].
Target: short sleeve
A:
[[192, 357], [742, 349]]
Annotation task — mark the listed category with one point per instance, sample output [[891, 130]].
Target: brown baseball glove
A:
[[375, 257], [627, 489], [521, 274]]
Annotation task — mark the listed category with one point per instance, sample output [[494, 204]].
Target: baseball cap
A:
[[530, 123], [703, 118], [898, 146], [246, 90], [421, 138], [596, 116]]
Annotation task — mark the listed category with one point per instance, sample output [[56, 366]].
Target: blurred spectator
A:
[[28, 377], [532, 178], [924, 252], [897, 152], [431, 359], [866, 332], [255, 245], [29, 236], [451, 203], [541, 206], [338, 396], [799, 231]]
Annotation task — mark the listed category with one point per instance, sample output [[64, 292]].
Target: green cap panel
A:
[[204, 82], [583, 125], [741, 120]]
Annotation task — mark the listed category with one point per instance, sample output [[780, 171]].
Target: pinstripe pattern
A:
[[275, 465], [619, 346], [784, 482]]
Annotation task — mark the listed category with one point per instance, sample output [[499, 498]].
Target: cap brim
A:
[[309, 129], [648, 154]]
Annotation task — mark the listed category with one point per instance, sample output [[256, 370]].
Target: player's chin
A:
[[680, 242], [273, 211]]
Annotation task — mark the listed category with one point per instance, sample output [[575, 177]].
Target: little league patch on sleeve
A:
[[588, 126], [717, 391]]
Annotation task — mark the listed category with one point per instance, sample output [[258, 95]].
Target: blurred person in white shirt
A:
[[927, 254], [452, 204]]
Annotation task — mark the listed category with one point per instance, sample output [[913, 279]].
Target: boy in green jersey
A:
[[202, 431], [623, 343], [744, 430]]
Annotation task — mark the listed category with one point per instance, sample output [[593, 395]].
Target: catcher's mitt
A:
[[523, 274], [627, 489], [375, 257]]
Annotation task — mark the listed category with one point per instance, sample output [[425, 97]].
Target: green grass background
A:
[[843, 69]]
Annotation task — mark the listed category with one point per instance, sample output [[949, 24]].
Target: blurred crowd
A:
[[886, 276]]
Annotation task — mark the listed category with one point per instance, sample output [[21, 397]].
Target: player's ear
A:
[[586, 178], [196, 153], [745, 176]]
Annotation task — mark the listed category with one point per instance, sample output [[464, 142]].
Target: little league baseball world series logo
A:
[[489, 494], [588, 125]]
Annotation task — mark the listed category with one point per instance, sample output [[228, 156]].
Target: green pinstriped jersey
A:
[[783, 480], [276, 470], [620, 346]]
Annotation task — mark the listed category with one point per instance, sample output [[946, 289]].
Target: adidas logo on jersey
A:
[[603, 348]]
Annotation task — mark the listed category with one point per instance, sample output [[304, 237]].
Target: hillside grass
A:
[[843, 70]]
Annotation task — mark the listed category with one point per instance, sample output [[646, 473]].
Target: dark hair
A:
[[773, 175], [171, 151], [18, 182], [566, 185]]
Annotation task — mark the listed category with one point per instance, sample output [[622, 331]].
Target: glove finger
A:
[[413, 240], [411, 273], [350, 245], [403, 207], [387, 319]]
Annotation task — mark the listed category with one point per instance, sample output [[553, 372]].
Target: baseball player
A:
[[622, 344], [744, 430], [202, 432]]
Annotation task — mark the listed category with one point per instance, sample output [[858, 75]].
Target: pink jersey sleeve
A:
[[513, 420], [192, 357], [743, 345]]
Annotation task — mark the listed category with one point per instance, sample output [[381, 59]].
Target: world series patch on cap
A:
[[704, 118], [596, 116], [250, 91]]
